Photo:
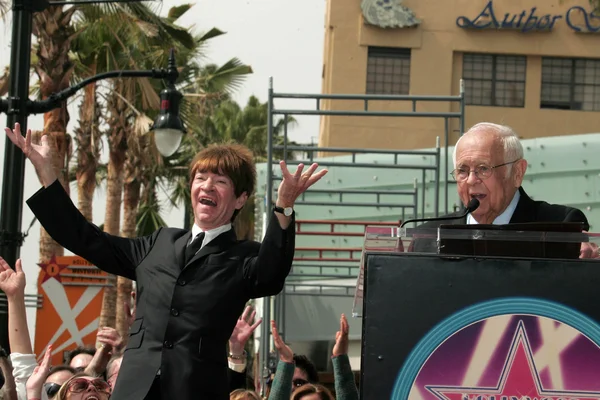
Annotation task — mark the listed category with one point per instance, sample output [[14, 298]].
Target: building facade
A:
[[533, 65]]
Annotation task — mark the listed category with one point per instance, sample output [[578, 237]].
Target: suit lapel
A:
[[525, 210], [180, 245], [222, 242]]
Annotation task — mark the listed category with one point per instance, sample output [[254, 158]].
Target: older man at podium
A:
[[489, 166]]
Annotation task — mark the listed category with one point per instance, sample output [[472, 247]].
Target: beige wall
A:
[[436, 47]]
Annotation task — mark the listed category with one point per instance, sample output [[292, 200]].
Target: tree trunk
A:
[[117, 142], [131, 200], [87, 137], [54, 69]]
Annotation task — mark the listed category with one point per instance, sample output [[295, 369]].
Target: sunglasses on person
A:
[[51, 388], [81, 385]]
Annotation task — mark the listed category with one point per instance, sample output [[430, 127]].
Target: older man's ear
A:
[[519, 169]]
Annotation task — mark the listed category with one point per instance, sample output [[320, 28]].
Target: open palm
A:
[[12, 282], [285, 352], [39, 154]]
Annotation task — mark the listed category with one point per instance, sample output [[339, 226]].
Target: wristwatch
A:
[[287, 211]]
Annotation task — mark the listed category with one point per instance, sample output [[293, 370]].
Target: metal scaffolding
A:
[[328, 265]]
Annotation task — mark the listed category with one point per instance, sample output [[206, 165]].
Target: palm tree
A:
[[54, 68], [4, 82]]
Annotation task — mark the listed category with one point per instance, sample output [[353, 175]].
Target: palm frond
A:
[[177, 12]]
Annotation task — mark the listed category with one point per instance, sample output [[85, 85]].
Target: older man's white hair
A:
[[513, 150]]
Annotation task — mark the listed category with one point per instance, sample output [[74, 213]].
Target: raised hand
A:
[[285, 352], [341, 338], [12, 282], [293, 186], [243, 330], [589, 250], [110, 339], [38, 377], [40, 155]]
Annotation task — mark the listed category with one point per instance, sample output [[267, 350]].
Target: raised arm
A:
[[237, 359], [293, 186], [65, 224], [39, 155], [12, 283], [345, 387], [266, 273], [281, 389]]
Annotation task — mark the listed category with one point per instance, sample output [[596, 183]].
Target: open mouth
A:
[[92, 397], [478, 196], [207, 202]]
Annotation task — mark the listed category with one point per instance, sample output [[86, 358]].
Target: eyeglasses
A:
[[482, 171], [299, 382], [51, 388], [81, 384]]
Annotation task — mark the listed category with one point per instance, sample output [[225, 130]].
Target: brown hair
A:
[[230, 159], [243, 394], [311, 388]]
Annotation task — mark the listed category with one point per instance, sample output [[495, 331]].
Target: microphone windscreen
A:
[[473, 205]]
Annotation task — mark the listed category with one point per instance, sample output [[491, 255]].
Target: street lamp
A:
[[18, 107], [168, 128]]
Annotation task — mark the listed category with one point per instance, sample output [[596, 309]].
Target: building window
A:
[[570, 84], [388, 71], [494, 80]]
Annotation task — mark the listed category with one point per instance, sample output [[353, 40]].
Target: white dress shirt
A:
[[503, 218], [209, 234]]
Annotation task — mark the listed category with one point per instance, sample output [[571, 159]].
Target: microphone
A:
[[471, 206]]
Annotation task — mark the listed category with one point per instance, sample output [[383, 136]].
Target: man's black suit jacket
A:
[[527, 210], [185, 313]]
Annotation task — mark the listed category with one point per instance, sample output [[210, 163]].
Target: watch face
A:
[[288, 211]]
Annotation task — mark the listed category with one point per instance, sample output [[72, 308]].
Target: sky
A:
[[282, 39]]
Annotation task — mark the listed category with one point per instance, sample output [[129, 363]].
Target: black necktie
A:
[[192, 248]]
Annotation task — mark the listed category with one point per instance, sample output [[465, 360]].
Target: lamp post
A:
[[168, 128]]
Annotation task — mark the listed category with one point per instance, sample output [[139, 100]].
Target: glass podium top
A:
[[527, 240]]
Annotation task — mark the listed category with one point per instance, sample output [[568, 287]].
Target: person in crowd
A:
[[244, 394], [304, 372], [8, 389], [286, 380], [80, 357], [79, 387], [312, 391], [84, 387], [191, 285], [56, 377], [12, 283], [110, 343], [112, 369], [238, 358], [489, 165]]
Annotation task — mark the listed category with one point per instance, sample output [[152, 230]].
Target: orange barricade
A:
[[72, 289]]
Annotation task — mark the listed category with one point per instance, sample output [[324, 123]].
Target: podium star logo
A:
[[519, 379], [52, 269]]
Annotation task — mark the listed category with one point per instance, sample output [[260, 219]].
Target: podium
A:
[[476, 326]]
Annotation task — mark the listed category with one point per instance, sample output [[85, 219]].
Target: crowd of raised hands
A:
[[91, 373], [87, 373], [296, 377]]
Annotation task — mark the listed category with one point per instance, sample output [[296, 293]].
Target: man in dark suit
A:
[[489, 166], [191, 285]]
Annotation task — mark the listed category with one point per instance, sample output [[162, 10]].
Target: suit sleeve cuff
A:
[[237, 367]]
